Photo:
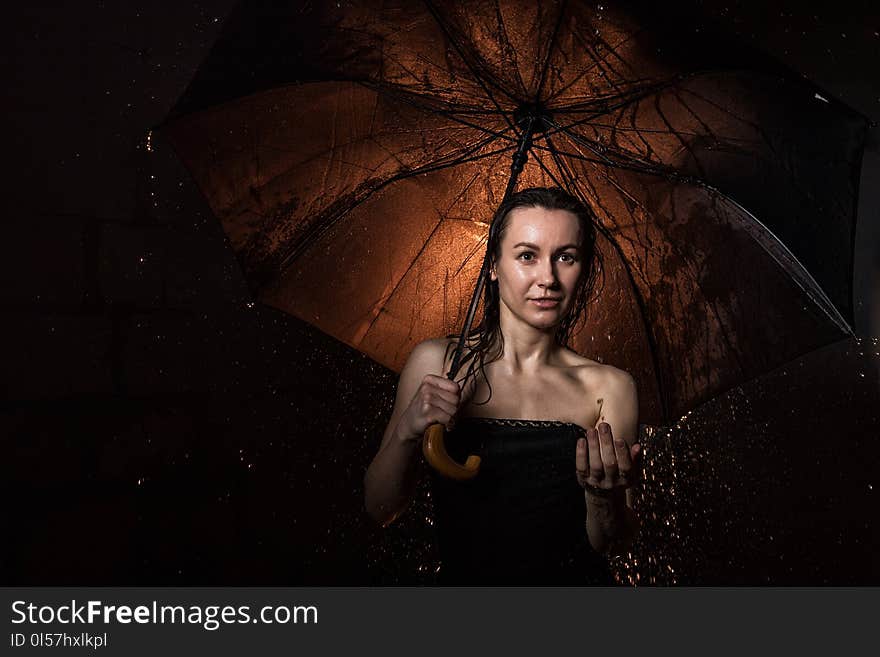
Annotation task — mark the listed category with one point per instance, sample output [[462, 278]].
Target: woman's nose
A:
[[547, 273]]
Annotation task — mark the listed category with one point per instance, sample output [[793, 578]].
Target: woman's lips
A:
[[545, 303]]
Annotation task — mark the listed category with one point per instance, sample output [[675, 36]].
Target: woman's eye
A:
[[526, 255], [570, 257]]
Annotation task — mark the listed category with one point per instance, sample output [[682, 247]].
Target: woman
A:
[[556, 431]]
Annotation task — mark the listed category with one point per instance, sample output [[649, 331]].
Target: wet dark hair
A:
[[485, 342]]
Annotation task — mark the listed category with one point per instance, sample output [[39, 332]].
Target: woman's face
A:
[[539, 260]]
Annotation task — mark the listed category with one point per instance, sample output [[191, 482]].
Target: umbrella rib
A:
[[446, 113], [777, 249], [681, 141], [643, 314], [449, 159], [601, 104], [587, 70], [625, 100], [571, 183], [600, 64], [758, 129], [327, 152], [653, 347], [623, 160], [563, 167], [546, 170], [396, 156], [566, 172], [470, 255], [315, 233], [397, 61], [377, 309], [720, 108], [510, 50], [606, 70], [595, 101], [614, 51], [690, 111], [637, 164], [624, 192], [585, 143], [546, 66], [415, 259], [419, 57], [411, 73], [472, 68], [779, 252], [658, 131], [577, 156], [786, 259], [632, 110], [436, 167]]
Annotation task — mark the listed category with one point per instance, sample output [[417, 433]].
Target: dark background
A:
[[160, 428]]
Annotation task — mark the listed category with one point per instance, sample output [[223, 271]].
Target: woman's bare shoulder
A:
[[434, 345], [582, 363], [430, 355], [615, 379], [615, 372], [619, 385], [599, 373]]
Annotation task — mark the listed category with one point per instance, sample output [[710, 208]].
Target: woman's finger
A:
[[432, 384], [624, 462], [581, 460], [636, 452], [595, 456], [442, 382], [606, 446], [581, 463], [438, 416], [445, 406], [442, 393]]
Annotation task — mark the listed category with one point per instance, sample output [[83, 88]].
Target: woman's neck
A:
[[526, 348]]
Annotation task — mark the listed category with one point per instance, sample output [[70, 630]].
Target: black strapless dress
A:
[[521, 520]]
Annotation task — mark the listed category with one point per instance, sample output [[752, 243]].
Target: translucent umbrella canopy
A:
[[355, 151]]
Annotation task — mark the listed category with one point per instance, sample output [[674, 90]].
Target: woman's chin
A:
[[545, 320]]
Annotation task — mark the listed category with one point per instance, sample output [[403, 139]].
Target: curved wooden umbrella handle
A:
[[435, 453]]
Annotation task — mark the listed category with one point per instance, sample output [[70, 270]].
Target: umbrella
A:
[[354, 151]]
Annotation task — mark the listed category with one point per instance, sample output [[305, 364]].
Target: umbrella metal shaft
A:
[[519, 161]]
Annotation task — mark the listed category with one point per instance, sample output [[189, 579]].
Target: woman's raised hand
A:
[[437, 400], [605, 463]]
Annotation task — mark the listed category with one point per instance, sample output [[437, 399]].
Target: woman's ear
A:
[[492, 275]]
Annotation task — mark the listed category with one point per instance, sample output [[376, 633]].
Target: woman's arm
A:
[[612, 523], [423, 396]]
